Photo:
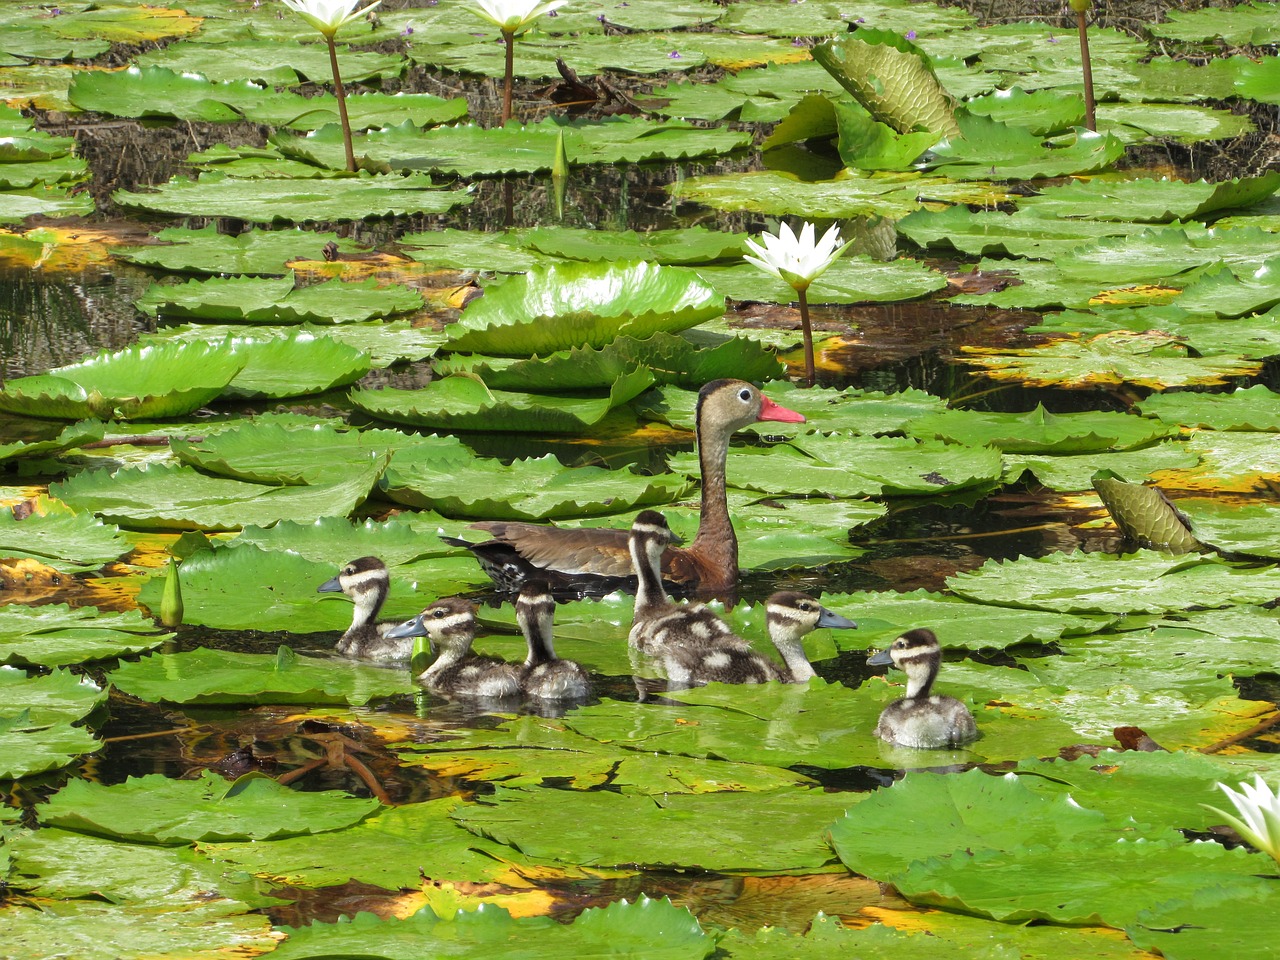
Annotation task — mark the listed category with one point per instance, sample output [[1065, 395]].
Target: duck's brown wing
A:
[[592, 552]]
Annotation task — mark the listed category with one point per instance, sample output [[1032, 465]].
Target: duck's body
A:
[[545, 676], [367, 582], [518, 551], [450, 625], [790, 616], [659, 623], [922, 719]]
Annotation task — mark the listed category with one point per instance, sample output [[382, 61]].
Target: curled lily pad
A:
[[60, 537], [136, 383], [579, 304], [157, 809], [75, 435], [295, 365], [460, 403]]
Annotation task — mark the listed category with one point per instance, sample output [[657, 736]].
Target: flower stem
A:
[[341, 94], [808, 338], [510, 41], [1090, 119]]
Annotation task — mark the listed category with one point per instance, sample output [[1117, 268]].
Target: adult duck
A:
[[520, 551]]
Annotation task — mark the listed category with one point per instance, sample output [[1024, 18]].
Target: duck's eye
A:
[[437, 614], [744, 394], [348, 571]]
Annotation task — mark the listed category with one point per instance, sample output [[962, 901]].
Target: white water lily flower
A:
[[1259, 820], [515, 16], [328, 16], [796, 261]]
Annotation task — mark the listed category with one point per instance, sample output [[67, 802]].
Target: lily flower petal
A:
[[1258, 807], [796, 261], [328, 16], [514, 16]]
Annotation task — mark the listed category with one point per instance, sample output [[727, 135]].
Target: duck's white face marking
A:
[[716, 661], [357, 579], [439, 623]]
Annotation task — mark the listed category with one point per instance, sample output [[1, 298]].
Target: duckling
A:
[[921, 720], [367, 582], [545, 675], [450, 626], [790, 615], [658, 621]]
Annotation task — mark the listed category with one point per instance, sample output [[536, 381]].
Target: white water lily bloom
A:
[[515, 16], [1259, 820], [328, 16], [796, 261]]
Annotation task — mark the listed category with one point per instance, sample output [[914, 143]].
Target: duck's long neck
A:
[[790, 645], [646, 557], [537, 634], [715, 541], [921, 672], [368, 601]]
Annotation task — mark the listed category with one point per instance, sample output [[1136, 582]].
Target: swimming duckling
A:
[[790, 615], [921, 720], [450, 625], [658, 621], [367, 582], [545, 675]]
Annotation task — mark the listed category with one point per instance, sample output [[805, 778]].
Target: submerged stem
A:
[[510, 40], [808, 338], [1090, 119], [341, 94]]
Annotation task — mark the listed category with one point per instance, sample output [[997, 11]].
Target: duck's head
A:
[[364, 575], [732, 404], [915, 647], [650, 528], [446, 622], [536, 606], [795, 613]]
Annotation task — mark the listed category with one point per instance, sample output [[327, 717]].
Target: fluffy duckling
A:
[[920, 719], [450, 625], [790, 615], [658, 621], [367, 582], [545, 675]]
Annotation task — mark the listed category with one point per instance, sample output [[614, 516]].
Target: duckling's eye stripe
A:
[[450, 622], [363, 577], [652, 529]]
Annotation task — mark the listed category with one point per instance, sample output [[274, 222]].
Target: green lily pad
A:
[[400, 539], [1150, 256], [1248, 529], [1149, 360], [782, 194], [468, 150], [1076, 473], [1234, 290], [1056, 842], [57, 697], [849, 280], [294, 365], [1245, 408], [1228, 462], [530, 750], [1143, 582], [204, 676], [383, 343], [692, 245], [70, 437], [1023, 233], [646, 928], [579, 304], [538, 489], [670, 358], [1253, 338], [254, 252], [269, 201], [57, 635], [244, 587], [60, 538], [1155, 201], [1040, 431], [856, 467], [173, 497], [251, 300], [1246, 24], [711, 831], [460, 403], [132, 384], [989, 150], [1210, 922], [36, 725], [275, 62], [156, 809], [452, 249]]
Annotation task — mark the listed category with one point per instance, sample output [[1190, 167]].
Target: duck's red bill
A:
[[776, 411]]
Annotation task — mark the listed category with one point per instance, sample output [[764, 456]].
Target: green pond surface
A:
[[219, 346]]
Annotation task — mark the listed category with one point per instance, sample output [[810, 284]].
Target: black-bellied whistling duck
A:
[[921, 719], [519, 551], [545, 675], [367, 582], [450, 625]]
